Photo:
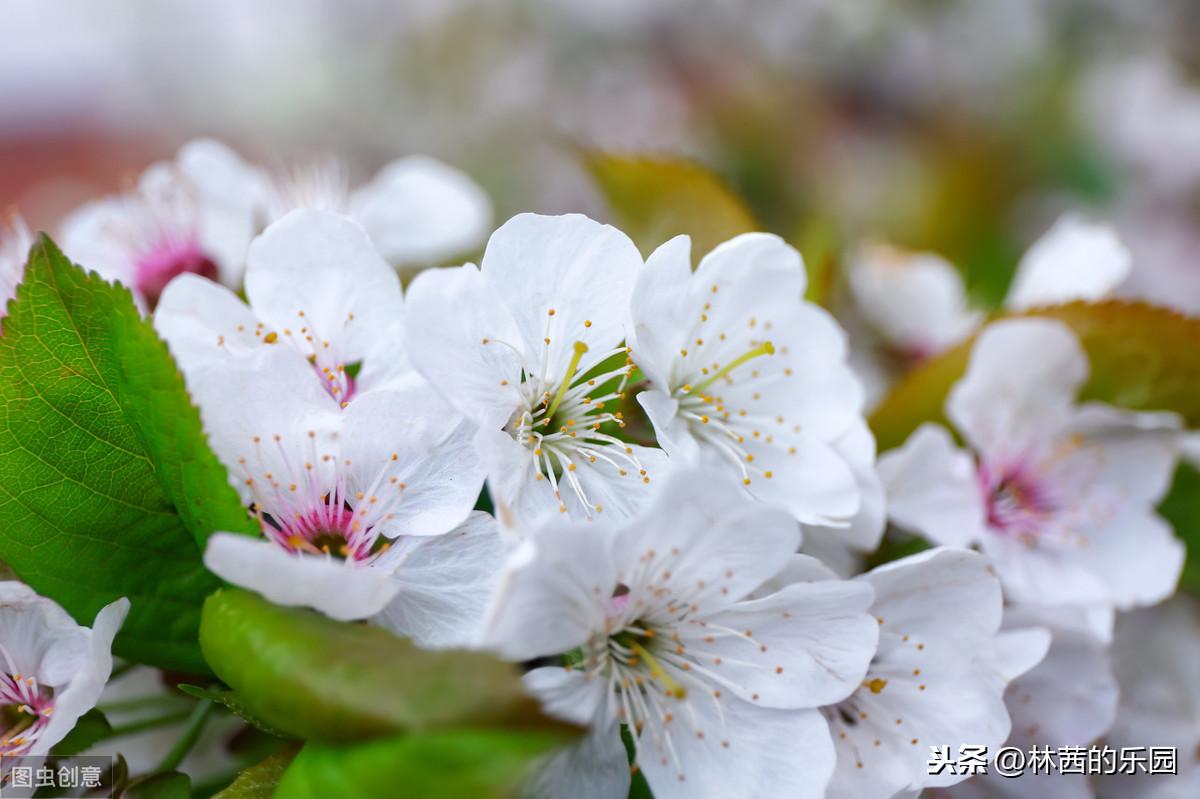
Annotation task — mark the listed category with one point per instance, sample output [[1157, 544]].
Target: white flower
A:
[[15, 242], [360, 508], [1156, 653], [1074, 260], [530, 347], [317, 290], [917, 305], [418, 210], [742, 368], [1068, 699], [52, 670], [915, 302], [938, 614], [662, 632], [195, 215], [1060, 496]]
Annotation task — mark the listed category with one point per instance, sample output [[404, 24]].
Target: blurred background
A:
[[963, 128]]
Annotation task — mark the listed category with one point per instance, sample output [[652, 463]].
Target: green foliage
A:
[[477, 763], [1181, 508], [316, 678], [654, 199], [106, 481], [166, 785], [260, 780], [234, 704], [91, 728], [1142, 357]]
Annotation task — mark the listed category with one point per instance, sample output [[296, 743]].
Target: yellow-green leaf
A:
[[656, 198]]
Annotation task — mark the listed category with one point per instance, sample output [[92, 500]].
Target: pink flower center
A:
[[337, 382], [25, 709], [326, 530], [167, 260], [1018, 502]]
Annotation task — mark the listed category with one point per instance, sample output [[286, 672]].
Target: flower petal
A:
[[564, 567], [333, 587], [461, 340], [564, 278], [806, 645], [1074, 260], [735, 751], [1021, 380], [445, 583], [659, 309], [420, 211], [408, 441], [932, 489]]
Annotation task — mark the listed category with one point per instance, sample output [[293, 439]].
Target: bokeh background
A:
[[962, 127]]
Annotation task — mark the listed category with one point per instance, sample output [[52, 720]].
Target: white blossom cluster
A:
[[684, 489]]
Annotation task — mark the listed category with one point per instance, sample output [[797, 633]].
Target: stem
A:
[[163, 700], [148, 724], [191, 733]]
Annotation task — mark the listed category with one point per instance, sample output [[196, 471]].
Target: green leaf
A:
[[1181, 507], [474, 763], [317, 678], [1142, 357], [106, 481], [260, 780], [167, 785], [91, 728], [232, 702], [654, 199]]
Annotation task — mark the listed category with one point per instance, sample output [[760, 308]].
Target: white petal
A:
[[445, 583], [1022, 378], [809, 644], [246, 405], [571, 695], [702, 532], [83, 691], [1042, 574], [333, 587], [595, 767], [1135, 553], [316, 274], [205, 324], [756, 255], [810, 479], [910, 591], [659, 309], [932, 489], [1133, 454], [409, 441], [461, 340], [87, 237], [916, 302], [670, 430], [553, 593], [857, 448], [1074, 260], [578, 269], [420, 211], [1069, 699], [745, 753], [230, 194]]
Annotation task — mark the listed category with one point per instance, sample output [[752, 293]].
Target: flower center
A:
[[1017, 502], [25, 709], [718, 424], [167, 260], [565, 422]]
